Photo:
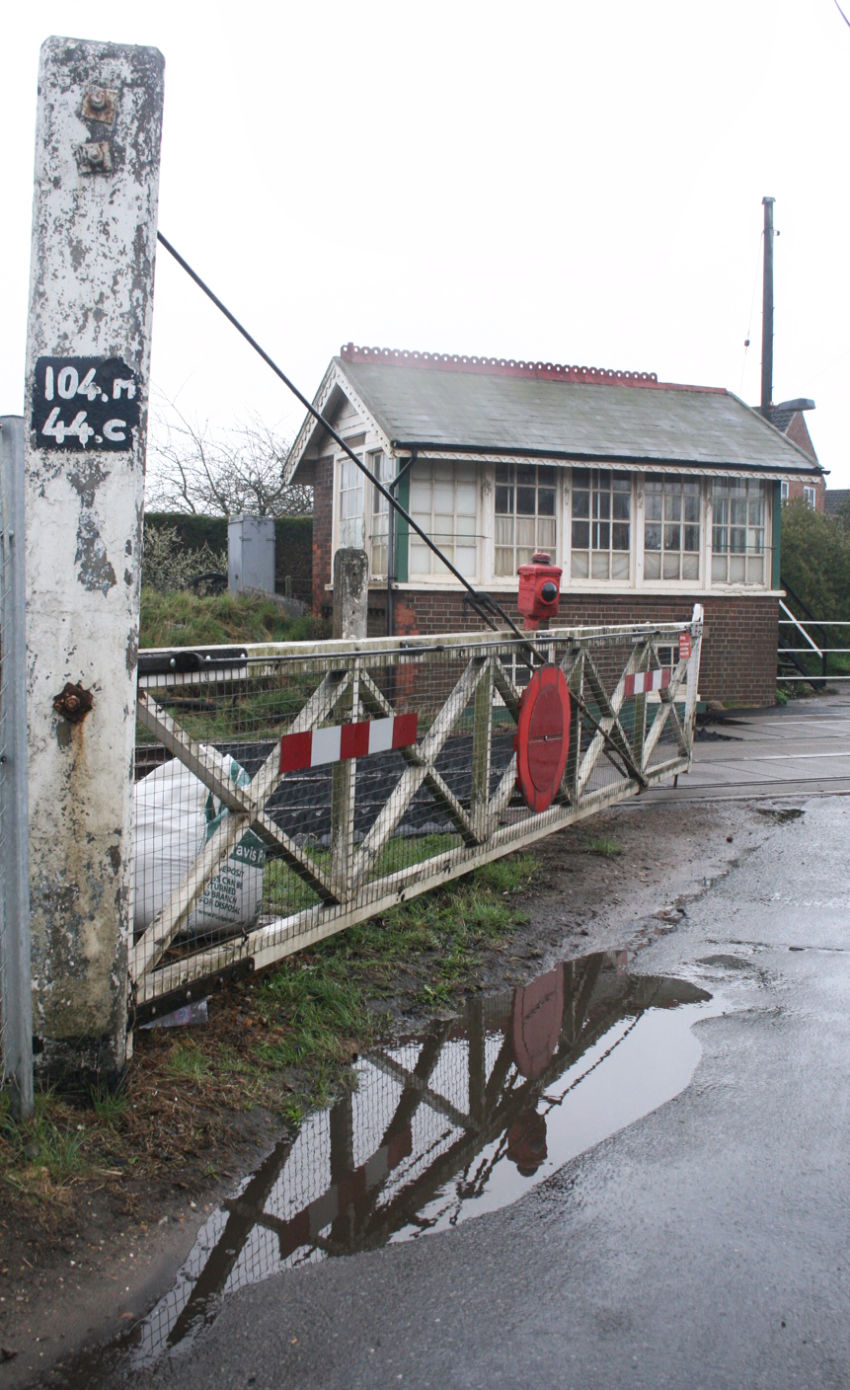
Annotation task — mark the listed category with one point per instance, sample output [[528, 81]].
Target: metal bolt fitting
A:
[[95, 157], [99, 104], [73, 702]]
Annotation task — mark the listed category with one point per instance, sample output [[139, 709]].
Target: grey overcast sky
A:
[[576, 182]]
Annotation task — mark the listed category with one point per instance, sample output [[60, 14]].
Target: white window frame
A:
[[379, 518], [349, 482], [367, 536], [673, 489], [636, 581], [427, 473], [735, 524], [600, 524], [543, 525]]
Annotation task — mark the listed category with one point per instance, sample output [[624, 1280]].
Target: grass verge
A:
[[278, 1045], [185, 619]]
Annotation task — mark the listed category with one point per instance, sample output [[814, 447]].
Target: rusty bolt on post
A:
[[73, 703], [95, 157], [99, 105]]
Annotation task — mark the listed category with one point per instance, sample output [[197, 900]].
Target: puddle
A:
[[457, 1121]]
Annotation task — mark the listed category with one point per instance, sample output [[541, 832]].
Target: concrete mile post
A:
[[88, 351]]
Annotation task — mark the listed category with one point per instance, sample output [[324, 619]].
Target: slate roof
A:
[[482, 406]]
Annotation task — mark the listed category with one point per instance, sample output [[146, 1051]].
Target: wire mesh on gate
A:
[[285, 793]]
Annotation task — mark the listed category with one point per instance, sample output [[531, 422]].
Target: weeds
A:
[[188, 1062], [108, 1106], [609, 848], [45, 1153], [284, 1042], [184, 619]]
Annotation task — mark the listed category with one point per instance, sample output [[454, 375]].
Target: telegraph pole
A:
[[767, 311]]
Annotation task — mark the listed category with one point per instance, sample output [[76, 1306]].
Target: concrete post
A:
[[250, 553], [91, 299], [351, 592]]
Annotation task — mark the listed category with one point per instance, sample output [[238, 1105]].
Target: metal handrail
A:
[[795, 655], [799, 626]]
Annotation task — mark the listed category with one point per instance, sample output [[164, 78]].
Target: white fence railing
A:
[[812, 651], [245, 854]]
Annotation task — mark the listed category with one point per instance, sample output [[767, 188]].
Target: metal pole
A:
[[15, 962], [767, 311]]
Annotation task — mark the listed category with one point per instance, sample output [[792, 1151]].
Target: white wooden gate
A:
[[310, 851]]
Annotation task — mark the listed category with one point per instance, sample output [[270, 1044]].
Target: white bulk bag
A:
[[175, 817]]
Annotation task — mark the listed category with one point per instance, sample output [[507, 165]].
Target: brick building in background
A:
[[789, 417], [651, 495]]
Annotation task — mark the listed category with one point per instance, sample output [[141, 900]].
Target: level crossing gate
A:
[[285, 792]]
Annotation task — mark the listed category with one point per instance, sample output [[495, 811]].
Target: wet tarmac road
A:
[[800, 749], [706, 1244]]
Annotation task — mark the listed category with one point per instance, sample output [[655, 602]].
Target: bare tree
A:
[[190, 470]]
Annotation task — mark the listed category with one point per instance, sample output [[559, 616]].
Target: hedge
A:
[[293, 537]]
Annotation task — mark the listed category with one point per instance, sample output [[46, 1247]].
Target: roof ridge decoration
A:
[[497, 366]]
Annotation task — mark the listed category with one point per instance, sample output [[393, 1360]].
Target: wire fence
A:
[[287, 792]]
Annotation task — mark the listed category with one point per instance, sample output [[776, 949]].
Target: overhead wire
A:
[[484, 604]]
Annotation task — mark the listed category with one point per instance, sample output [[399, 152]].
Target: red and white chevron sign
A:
[[344, 741], [642, 681]]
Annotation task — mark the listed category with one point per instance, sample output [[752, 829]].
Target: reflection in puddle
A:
[[460, 1120]]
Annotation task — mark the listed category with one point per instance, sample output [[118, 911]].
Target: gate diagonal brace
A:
[[614, 740], [421, 759], [375, 702], [246, 801], [247, 810]]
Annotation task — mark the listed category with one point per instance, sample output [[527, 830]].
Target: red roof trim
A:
[[501, 366]]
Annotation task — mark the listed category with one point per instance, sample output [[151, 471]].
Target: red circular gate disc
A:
[[543, 736]]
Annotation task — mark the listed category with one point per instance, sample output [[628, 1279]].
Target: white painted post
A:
[[692, 681], [350, 616], [91, 299]]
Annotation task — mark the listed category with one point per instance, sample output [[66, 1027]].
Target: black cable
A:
[[480, 602]]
